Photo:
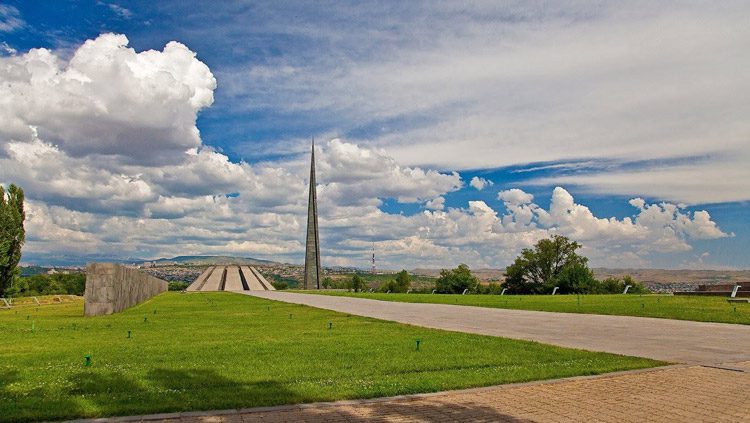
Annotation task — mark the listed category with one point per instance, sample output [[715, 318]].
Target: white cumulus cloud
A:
[[107, 99], [106, 146], [480, 183]]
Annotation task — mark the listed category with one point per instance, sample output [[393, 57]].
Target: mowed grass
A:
[[701, 309], [204, 351]]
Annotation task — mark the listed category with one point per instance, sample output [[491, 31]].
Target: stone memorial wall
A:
[[111, 288]]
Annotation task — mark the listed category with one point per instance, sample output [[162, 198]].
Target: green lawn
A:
[[204, 351], [702, 309]]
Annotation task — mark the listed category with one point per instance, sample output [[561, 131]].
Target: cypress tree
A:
[[12, 235]]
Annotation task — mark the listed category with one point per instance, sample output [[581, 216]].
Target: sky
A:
[[445, 132]]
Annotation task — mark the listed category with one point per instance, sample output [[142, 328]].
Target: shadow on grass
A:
[[173, 390], [204, 387], [105, 394], [95, 383], [6, 378], [18, 405]]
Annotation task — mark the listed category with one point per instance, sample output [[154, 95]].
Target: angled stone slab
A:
[[252, 281], [267, 285], [200, 280], [215, 280], [233, 281]]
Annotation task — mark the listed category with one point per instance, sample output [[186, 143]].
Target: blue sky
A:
[[611, 101]]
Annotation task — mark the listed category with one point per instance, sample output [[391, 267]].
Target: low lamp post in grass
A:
[[554, 291], [626, 289]]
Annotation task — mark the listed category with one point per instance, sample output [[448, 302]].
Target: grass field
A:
[[702, 309], [206, 351]]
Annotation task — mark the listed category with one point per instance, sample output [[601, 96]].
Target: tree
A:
[[403, 281], [177, 285], [389, 286], [327, 282], [613, 285], [577, 278], [280, 285], [357, 283], [540, 269], [400, 284], [12, 235], [455, 281]]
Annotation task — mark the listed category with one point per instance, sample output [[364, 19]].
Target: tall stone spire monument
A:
[[312, 246]]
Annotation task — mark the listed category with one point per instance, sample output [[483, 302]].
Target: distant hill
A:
[[207, 260], [671, 276], [486, 275], [56, 261], [649, 276], [32, 270]]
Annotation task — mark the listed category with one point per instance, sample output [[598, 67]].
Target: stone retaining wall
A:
[[111, 288]]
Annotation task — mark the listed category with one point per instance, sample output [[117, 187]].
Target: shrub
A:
[[357, 284], [403, 281], [491, 289], [280, 285], [577, 278], [178, 286], [389, 286], [455, 281], [327, 282], [613, 285]]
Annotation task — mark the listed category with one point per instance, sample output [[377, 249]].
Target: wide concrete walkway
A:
[[674, 341]]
